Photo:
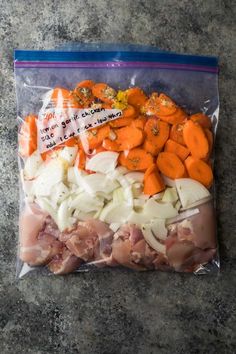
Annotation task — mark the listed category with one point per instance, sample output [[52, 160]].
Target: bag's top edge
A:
[[113, 56]]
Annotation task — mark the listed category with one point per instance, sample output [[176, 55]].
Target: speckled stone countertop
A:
[[115, 312]]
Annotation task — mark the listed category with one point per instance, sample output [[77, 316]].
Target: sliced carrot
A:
[[83, 93], [129, 138], [125, 138], [150, 170], [129, 112], [80, 160], [153, 182], [176, 133], [106, 105], [136, 159], [201, 119], [139, 122], [121, 122], [96, 136], [136, 97], [164, 108], [157, 131], [179, 150], [104, 92], [151, 106], [28, 136], [199, 170], [209, 137], [170, 165], [151, 148], [63, 98], [195, 139], [169, 108], [110, 145], [86, 83]]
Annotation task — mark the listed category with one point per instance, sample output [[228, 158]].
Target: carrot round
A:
[[195, 139], [129, 112], [153, 182], [136, 159], [157, 131], [199, 170], [176, 133], [164, 108], [86, 83], [151, 148], [104, 92], [110, 145], [201, 119], [121, 122], [95, 137], [181, 151], [129, 137], [125, 138], [83, 93], [170, 165], [139, 122], [209, 137], [136, 97], [28, 136]]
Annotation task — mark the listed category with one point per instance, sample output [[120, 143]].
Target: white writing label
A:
[[55, 127]]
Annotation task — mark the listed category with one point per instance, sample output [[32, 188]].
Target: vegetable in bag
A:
[[116, 162]]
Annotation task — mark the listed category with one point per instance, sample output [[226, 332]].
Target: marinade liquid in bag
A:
[[116, 159]]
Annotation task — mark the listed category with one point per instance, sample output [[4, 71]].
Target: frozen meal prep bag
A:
[[116, 154]]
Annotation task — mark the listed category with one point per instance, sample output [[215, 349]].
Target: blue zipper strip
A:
[[76, 56]]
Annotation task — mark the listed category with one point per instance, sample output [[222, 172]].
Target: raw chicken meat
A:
[[131, 250], [189, 243], [36, 247], [64, 263], [192, 241]]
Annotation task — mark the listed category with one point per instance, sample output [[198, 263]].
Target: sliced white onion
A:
[[159, 229], [104, 162], [52, 173], [159, 209], [68, 153], [168, 181], [32, 164], [170, 195], [115, 213], [183, 215], [59, 193], [190, 191], [151, 240], [133, 177], [64, 216], [45, 205], [138, 218], [199, 202], [71, 175], [86, 203]]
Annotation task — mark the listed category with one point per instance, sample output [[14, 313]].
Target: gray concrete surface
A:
[[118, 311]]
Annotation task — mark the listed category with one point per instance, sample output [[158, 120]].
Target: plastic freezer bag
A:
[[116, 158]]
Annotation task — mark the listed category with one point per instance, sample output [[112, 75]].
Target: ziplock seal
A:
[[60, 59]]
